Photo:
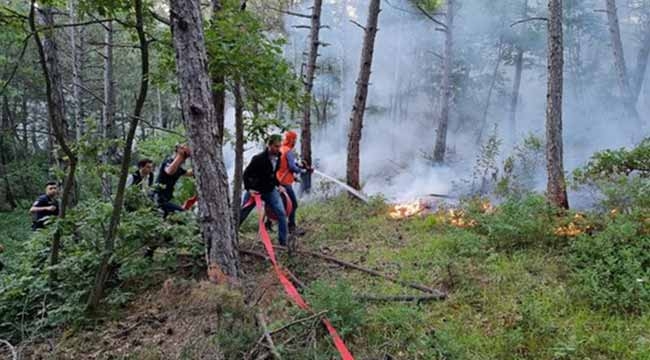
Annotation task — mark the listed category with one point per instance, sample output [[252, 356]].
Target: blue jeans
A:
[[294, 200], [273, 200]]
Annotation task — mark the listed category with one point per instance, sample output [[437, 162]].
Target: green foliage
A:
[[32, 304], [621, 176], [518, 223], [240, 51], [344, 311], [519, 169], [612, 268]]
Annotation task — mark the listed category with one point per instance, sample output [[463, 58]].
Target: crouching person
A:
[[260, 179]]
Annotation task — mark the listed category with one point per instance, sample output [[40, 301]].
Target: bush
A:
[[519, 223], [30, 303], [344, 311], [611, 270]]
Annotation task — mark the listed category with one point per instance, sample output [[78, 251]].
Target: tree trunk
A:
[[493, 82], [516, 85], [49, 61], [642, 59], [108, 113], [359, 107], [556, 186], [619, 60], [215, 218], [239, 153], [305, 134], [219, 85], [441, 134], [76, 72], [161, 119], [109, 241]]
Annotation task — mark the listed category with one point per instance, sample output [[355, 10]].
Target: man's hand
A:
[[253, 192], [282, 190], [189, 173], [51, 208]]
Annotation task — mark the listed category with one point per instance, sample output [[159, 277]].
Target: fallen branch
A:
[[369, 271], [14, 354], [298, 321], [403, 298], [267, 335]]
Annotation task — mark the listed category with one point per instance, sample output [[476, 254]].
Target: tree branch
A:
[[357, 24], [291, 13], [17, 65], [160, 18], [430, 17], [528, 19]]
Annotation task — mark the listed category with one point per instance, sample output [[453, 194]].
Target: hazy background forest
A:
[[466, 122]]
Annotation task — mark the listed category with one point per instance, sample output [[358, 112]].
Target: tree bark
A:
[[48, 58], [215, 217], [76, 71], [516, 85], [305, 133], [642, 59], [359, 107], [109, 241], [219, 85], [493, 82], [556, 186], [239, 152], [619, 60], [108, 111], [441, 135]]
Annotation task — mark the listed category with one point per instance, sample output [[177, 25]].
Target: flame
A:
[[574, 228], [459, 219], [401, 211]]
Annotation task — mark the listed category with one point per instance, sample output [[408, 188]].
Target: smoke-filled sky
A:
[[400, 122]]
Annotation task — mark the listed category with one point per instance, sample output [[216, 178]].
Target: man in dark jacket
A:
[[142, 177], [260, 178], [168, 174], [45, 207]]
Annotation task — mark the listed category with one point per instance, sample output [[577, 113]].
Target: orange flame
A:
[[406, 210]]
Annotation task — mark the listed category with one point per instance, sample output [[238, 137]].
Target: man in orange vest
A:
[[288, 167]]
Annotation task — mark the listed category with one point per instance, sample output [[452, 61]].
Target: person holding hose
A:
[[288, 168], [260, 179]]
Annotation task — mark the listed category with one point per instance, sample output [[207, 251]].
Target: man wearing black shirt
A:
[[260, 179], [168, 174], [145, 171], [45, 207]]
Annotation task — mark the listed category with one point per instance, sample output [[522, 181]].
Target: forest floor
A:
[[514, 305]]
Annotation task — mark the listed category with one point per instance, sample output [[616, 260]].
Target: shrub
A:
[[519, 223], [611, 270]]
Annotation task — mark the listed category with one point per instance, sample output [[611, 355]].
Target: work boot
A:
[[296, 231]]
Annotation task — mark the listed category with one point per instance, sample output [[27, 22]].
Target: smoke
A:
[[403, 99]]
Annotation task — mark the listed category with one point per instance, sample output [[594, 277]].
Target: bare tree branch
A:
[[430, 17], [529, 19], [357, 24], [17, 65], [304, 16]]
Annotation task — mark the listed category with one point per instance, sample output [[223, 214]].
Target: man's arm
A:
[[129, 180], [172, 168], [293, 164], [250, 176], [40, 205]]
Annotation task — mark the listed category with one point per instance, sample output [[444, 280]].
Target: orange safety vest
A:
[[284, 174]]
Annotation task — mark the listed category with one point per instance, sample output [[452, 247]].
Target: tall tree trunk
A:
[[109, 240], [76, 71], [108, 111], [48, 58], [239, 152], [619, 60], [642, 59], [161, 121], [493, 81], [358, 110], [305, 133], [441, 135], [25, 119], [215, 218], [556, 186], [516, 85], [219, 85]]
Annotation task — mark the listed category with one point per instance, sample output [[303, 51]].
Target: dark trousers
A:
[[169, 207]]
